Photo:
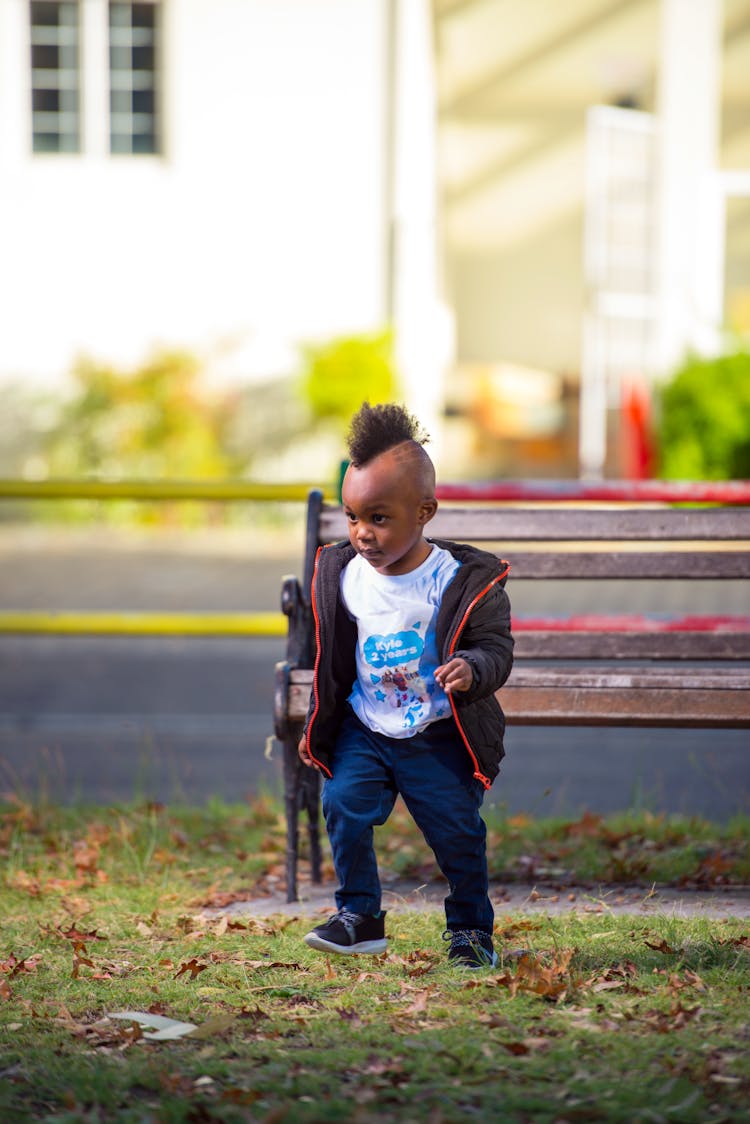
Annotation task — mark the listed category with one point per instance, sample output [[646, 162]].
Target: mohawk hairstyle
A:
[[375, 429]]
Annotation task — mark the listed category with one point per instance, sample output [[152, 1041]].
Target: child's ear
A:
[[427, 509]]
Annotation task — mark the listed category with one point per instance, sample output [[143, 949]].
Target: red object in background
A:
[[638, 451]]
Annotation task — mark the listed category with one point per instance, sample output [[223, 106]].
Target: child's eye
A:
[[351, 516], [379, 519]]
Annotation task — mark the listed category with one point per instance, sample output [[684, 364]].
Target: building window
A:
[[55, 76], [133, 45]]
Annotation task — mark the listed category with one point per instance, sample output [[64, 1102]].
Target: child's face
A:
[[386, 511]]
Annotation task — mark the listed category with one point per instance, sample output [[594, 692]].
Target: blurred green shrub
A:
[[156, 422], [340, 375], [704, 420]]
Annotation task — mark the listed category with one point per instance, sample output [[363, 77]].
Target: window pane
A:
[[55, 77], [44, 57], [144, 142], [143, 58], [143, 102], [45, 101], [143, 15], [42, 13], [120, 102], [133, 56]]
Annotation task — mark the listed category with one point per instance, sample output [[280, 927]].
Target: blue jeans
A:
[[433, 773]]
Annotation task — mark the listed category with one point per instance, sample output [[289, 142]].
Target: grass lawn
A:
[[117, 911]]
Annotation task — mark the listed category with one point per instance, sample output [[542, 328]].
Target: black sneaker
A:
[[470, 948], [348, 933]]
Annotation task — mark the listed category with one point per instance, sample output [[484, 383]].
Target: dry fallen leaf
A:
[[194, 967], [661, 946]]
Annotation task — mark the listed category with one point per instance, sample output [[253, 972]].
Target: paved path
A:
[[402, 895]]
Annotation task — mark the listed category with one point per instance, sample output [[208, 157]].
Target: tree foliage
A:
[[704, 428], [340, 375]]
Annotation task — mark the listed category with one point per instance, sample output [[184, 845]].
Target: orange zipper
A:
[[316, 618], [482, 593]]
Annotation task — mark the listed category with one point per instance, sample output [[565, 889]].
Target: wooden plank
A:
[[690, 565], [506, 524], [593, 697], [638, 677], [561, 706], [541, 644]]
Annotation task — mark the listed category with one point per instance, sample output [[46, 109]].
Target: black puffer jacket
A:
[[473, 622]]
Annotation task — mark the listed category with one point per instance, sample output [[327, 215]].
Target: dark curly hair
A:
[[374, 429]]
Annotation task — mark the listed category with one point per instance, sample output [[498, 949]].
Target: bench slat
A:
[[540, 644], [508, 524], [630, 706], [592, 696], [649, 565]]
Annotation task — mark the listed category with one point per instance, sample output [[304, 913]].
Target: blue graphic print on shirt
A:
[[395, 692], [395, 649]]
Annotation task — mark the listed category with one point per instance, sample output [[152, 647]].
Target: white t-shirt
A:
[[395, 692]]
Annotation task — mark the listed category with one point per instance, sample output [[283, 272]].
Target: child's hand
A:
[[456, 675], [304, 753]]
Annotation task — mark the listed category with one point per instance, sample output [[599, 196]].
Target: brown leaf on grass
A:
[[24, 815], [661, 946], [602, 984], [737, 942], [550, 978], [86, 856], [79, 960], [255, 1014], [25, 883], [588, 827], [496, 1022], [689, 979], [349, 1015], [419, 1001], [62, 885], [215, 898], [102, 1033], [526, 1046], [664, 1022], [509, 928], [164, 857], [5, 991], [199, 924], [15, 967], [712, 869], [617, 976], [78, 936], [194, 967], [416, 963], [292, 965], [236, 1095]]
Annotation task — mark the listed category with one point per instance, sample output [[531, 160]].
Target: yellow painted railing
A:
[[220, 490], [151, 623], [143, 624]]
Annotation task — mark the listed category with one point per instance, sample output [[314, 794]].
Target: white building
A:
[[203, 174], [236, 177]]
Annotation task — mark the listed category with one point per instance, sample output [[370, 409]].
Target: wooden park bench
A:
[[573, 670]]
